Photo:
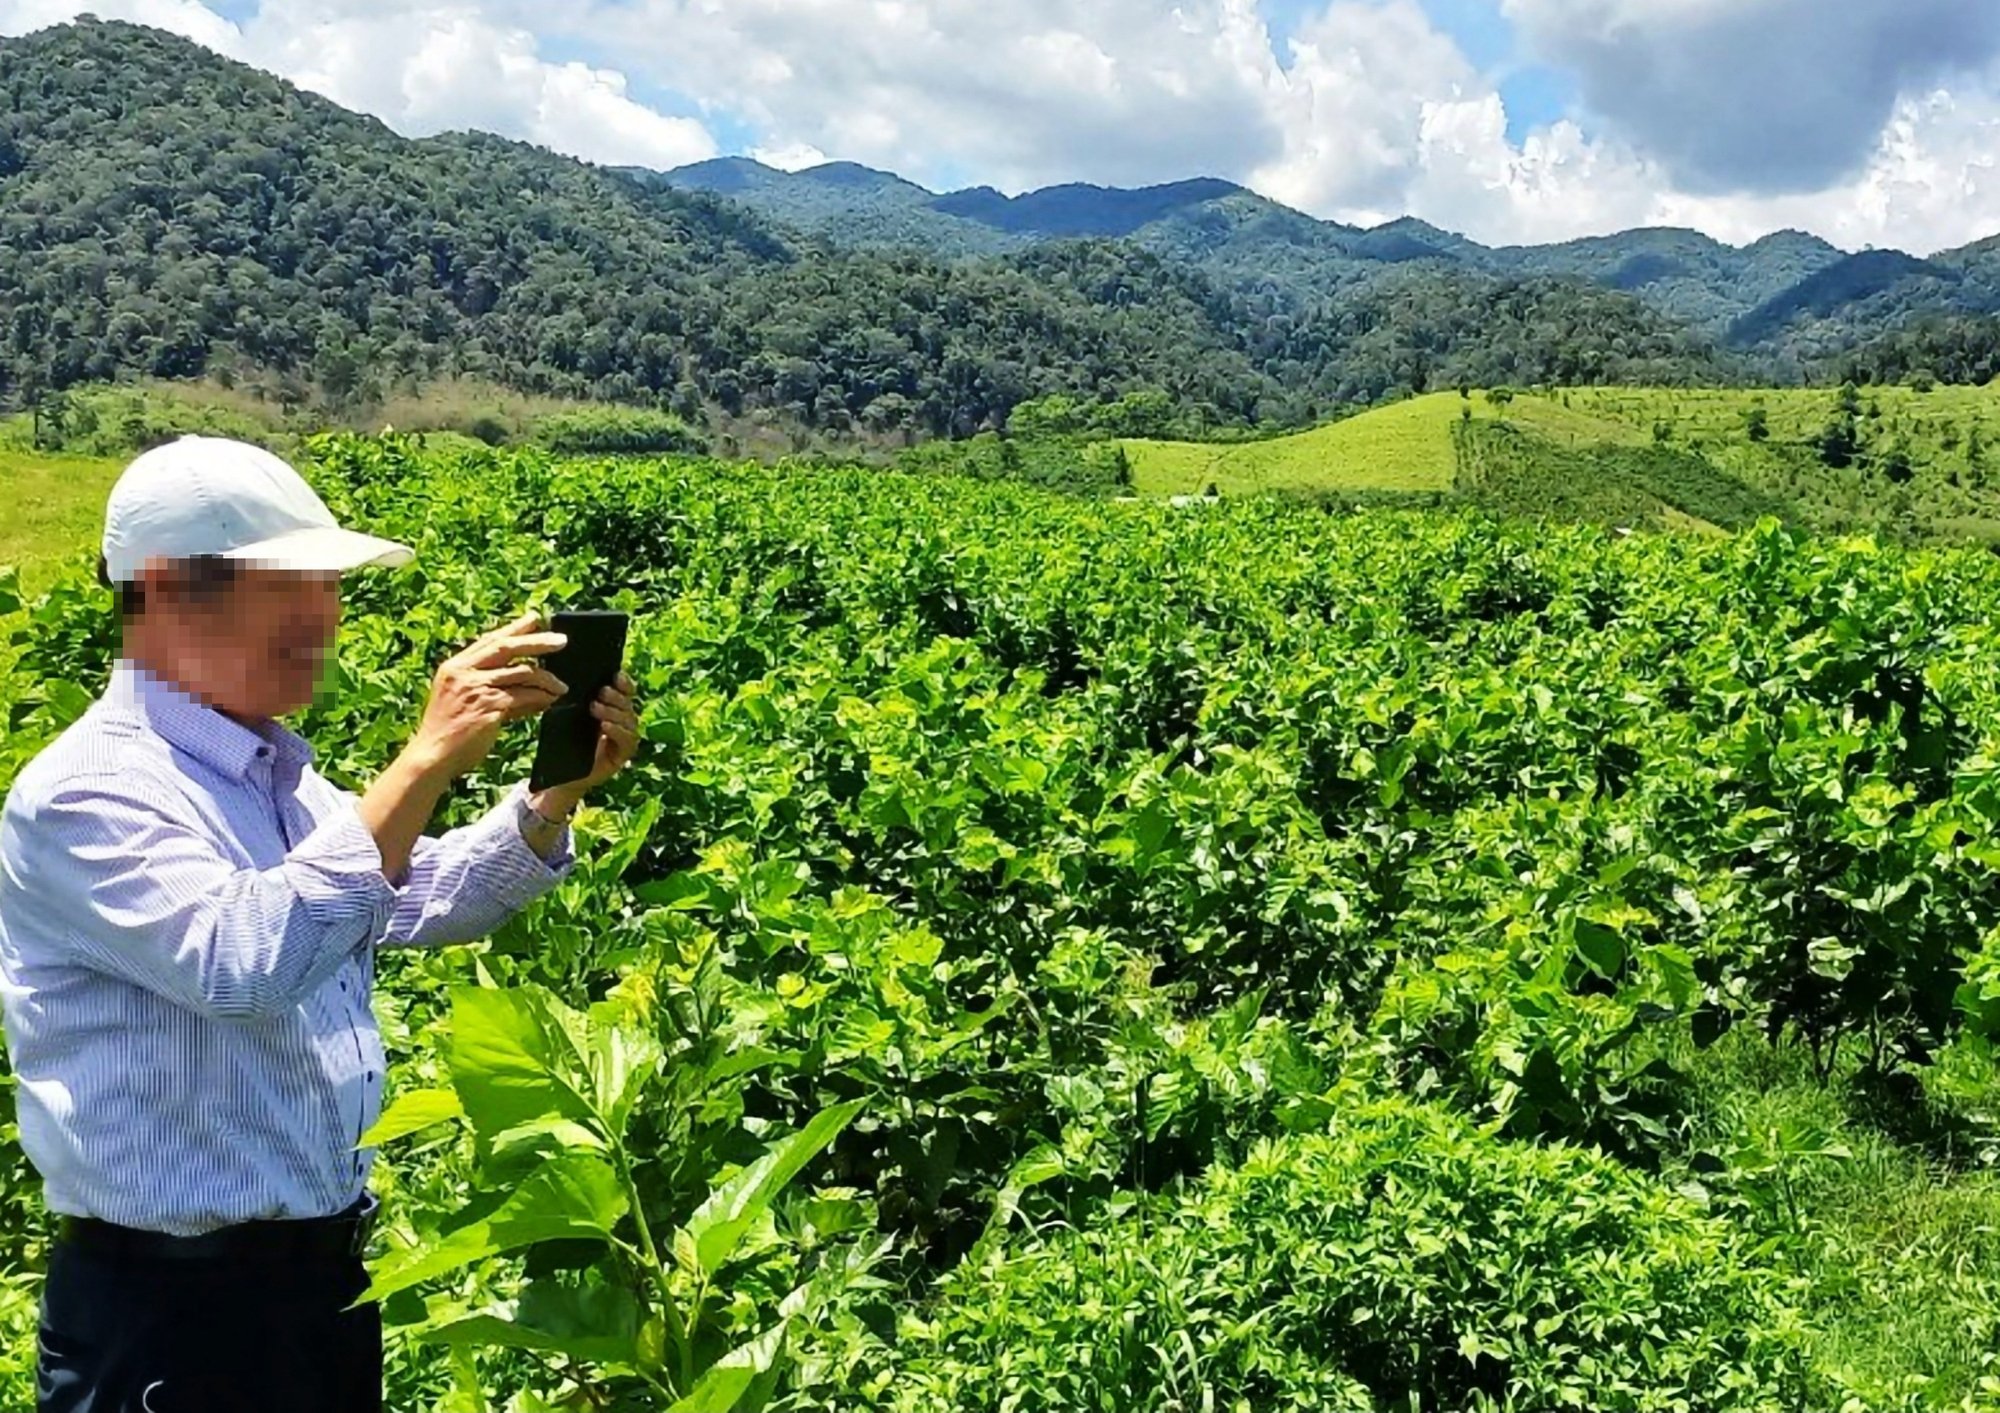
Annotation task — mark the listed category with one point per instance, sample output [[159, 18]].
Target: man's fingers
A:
[[526, 702], [525, 674], [526, 623], [501, 649], [613, 697], [607, 711]]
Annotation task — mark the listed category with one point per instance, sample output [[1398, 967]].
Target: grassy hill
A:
[[1920, 465], [1404, 447]]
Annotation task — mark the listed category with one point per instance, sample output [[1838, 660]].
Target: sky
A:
[[1868, 122]]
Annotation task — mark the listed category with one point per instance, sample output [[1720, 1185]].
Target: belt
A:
[[343, 1235]]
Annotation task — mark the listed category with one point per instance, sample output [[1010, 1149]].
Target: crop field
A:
[[1060, 954], [1921, 465]]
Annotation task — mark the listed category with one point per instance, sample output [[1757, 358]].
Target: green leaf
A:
[[860, 1032], [1600, 947], [598, 1324], [637, 830], [509, 1058], [413, 1112], [679, 891], [572, 1197], [719, 1224], [741, 1381], [10, 589], [550, 1135], [622, 1061], [1675, 969]]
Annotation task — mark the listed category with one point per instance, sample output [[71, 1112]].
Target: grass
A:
[[1890, 1204], [1404, 447], [55, 510]]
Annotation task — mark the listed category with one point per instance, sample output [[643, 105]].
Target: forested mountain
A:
[[165, 211], [1792, 302]]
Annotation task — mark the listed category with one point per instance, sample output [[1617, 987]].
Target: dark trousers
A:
[[129, 1335]]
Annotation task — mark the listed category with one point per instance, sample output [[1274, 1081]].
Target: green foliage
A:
[[1402, 1261], [615, 431], [1961, 349], [1839, 443], [112, 421], [699, 1316], [1074, 465], [1505, 471], [1146, 413]]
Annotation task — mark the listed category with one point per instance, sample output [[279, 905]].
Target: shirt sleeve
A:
[[465, 884], [159, 905]]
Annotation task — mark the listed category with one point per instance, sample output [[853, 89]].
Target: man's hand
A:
[[617, 743], [494, 681]]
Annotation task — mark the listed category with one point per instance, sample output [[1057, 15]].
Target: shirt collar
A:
[[186, 721]]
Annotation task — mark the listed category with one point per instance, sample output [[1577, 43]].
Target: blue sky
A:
[[1871, 122]]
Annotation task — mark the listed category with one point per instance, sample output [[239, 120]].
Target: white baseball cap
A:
[[213, 496]]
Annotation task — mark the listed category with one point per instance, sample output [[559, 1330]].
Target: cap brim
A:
[[324, 550]]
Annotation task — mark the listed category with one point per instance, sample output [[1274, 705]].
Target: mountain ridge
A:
[[1739, 295], [699, 174]]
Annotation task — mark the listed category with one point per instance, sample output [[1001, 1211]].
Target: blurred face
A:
[[255, 646]]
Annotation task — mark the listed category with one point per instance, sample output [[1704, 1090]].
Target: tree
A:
[[1758, 425], [51, 420], [1838, 443]]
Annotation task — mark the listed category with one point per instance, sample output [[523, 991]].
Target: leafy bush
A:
[[121, 421], [1069, 464], [616, 431], [557, 1100], [1404, 1260], [1148, 413]]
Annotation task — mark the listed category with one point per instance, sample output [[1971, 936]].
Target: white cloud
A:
[[1371, 111], [1022, 94], [1930, 183], [1352, 105], [793, 157]]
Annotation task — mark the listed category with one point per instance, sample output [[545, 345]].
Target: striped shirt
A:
[[188, 921]]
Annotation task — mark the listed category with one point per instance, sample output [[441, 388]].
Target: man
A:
[[189, 916]]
